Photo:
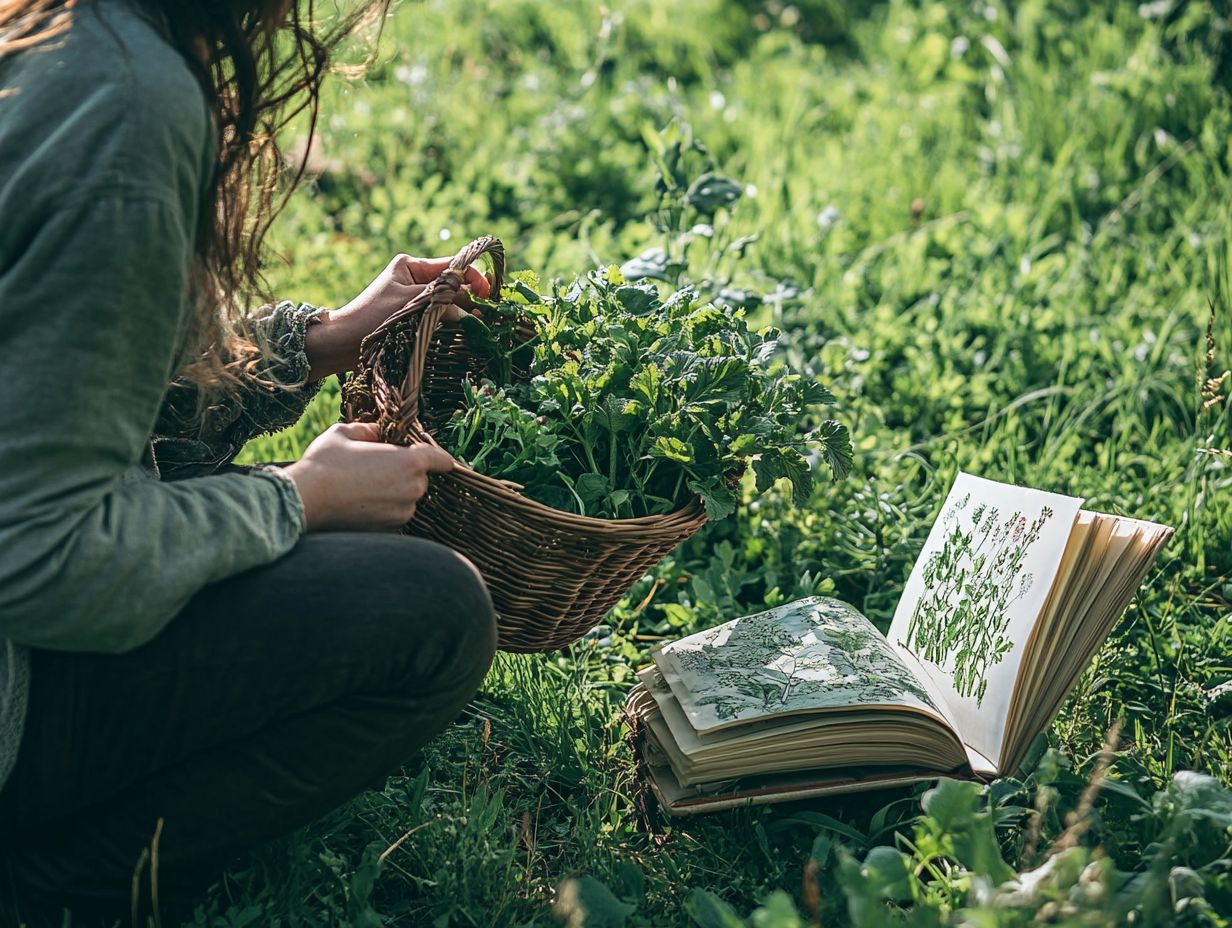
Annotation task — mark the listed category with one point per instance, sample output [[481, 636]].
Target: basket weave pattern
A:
[[553, 575]]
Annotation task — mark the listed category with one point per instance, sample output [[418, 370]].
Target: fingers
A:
[[358, 431], [410, 270], [422, 459], [477, 282], [422, 270], [432, 460]]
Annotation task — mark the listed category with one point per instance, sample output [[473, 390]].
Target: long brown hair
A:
[[260, 64]]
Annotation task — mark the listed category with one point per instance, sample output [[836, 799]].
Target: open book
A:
[[1012, 595]]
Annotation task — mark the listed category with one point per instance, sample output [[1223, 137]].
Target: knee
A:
[[462, 614], [471, 606]]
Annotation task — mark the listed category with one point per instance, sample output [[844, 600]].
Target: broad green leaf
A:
[[709, 911], [479, 336], [720, 502], [711, 192], [671, 448], [744, 444], [617, 414], [957, 809], [889, 871], [645, 383], [778, 911], [712, 380], [652, 264], [592, 487], [834, 445], [637, 299], [585, 902], [784, 462]]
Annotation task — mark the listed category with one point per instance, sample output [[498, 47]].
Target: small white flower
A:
[[411, 75], [828, 217]]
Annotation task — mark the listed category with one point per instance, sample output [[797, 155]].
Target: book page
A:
[[974, 594], [808, 656], [1102, 591]]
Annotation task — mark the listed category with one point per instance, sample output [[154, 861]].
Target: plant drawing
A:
[[970, 583], [811, 654]]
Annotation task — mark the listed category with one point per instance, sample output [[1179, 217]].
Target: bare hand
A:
[[349, 480], [333, 345]]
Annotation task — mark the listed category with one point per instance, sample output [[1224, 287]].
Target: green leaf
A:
[[585, 902], [617, 414], [629, 881], [361, 887], [827, 823], [834, 445], [778, 911], [671, 448], [814, 393], [652, 264], [957, 810], [889, 871], [646, 382], [709, 911], [784, 462], [712, 380], [720, 502], [744, 445], [710, 192], [479, 337], [592, 487], [823, 844], [637, 299]]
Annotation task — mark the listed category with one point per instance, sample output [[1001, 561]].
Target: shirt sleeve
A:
[[196, 435], [91, 311]]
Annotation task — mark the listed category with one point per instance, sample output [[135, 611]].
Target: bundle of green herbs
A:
[[630, 402]]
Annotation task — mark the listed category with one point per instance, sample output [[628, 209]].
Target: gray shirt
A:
[[106, 150]]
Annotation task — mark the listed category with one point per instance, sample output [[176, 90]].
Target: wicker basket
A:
[[553, 575]]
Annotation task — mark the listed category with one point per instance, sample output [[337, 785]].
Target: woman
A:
[[196, 657]]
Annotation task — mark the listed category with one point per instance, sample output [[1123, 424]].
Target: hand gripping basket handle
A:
[[402, 413]]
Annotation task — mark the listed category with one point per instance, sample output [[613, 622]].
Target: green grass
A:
[[1004, 227]]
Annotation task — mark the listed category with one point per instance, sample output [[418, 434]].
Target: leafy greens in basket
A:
[[633, 402]]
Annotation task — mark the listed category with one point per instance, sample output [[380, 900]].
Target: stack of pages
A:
[[1011, 597]]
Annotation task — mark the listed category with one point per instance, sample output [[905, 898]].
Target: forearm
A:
[[332, 346], [194, 435], [108, 575]]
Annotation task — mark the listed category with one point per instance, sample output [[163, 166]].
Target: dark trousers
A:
[[272, 698]]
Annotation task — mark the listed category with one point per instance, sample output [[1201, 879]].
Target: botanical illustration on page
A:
[[971, 583], [816, 653], [975, 592]]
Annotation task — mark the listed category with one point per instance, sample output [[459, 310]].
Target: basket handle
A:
[[399, 410]]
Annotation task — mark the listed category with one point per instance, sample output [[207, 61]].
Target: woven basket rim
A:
[[399, 410]]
